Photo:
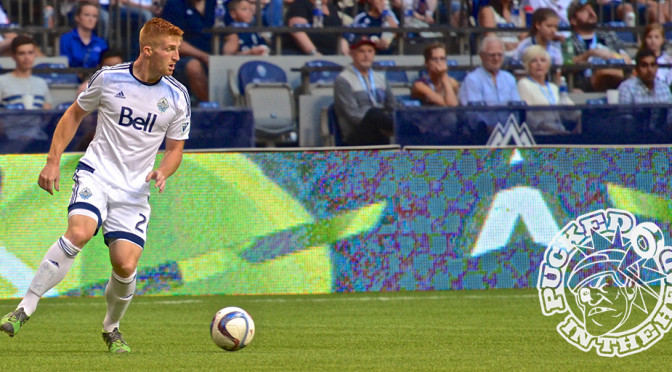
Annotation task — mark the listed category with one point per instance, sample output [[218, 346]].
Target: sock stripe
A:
[[67, 248]]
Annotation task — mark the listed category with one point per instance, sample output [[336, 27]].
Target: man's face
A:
[[24, 57], [165, 55], [585, 18], [377, 5], [492, 57], [362, 57], [647, 69], [605, 305]]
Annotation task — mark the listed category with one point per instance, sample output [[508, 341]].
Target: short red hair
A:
[[157, 28]]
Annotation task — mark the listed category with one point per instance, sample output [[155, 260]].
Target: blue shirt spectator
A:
[[489, 83], [81, 45], [478, 86], [182, 14], [193, 17], [376, 16], [80, 54]]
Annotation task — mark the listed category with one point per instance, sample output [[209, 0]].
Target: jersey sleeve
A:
[[89, 99], [179, 128]]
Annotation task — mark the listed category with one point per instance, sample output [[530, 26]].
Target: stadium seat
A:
[[14, 106], [407, 101], [63, 106], [458, 75], [322, 81], [332, 129], [625, 36], [259, 72], [394, 77], [208, 105], [597, 101], [266, 90], [56, 77]]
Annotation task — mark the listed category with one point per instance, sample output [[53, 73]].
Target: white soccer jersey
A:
[[133, 119]]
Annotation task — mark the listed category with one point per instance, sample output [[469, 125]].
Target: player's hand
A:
[[49, 178], [160, 179]]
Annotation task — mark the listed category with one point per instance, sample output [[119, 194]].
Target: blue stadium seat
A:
[[56, 77], [334, 129], [407, 101], [322, 77], [393, 77], [458, 75], [597, 101], [208, 105], [14, 106], [63, 106], [259, 72], [624, 36]]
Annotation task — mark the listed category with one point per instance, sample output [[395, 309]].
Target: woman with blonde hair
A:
[[536, 90]]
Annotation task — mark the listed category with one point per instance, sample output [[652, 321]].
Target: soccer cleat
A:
[[115, 342], [12, 322]]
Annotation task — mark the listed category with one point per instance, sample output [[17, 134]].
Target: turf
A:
[[401, 331]]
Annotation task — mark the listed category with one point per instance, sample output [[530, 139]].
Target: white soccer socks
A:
[[55, 265], [118, 293]]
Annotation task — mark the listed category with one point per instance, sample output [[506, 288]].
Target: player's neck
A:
[[142, 71]]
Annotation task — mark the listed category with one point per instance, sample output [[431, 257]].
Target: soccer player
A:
[[139, 104]]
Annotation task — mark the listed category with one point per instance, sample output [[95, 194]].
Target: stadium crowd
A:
[[528, 49]]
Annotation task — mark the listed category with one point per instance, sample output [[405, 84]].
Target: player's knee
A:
[[124, 269], [78, 235]]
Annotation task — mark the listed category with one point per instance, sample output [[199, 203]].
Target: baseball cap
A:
[[361, 40]]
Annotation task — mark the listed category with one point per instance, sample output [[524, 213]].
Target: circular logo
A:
[[608, 275]]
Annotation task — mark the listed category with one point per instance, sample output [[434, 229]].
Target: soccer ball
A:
[[232, 328]]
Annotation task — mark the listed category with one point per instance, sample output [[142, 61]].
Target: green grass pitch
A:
[[403, 331]]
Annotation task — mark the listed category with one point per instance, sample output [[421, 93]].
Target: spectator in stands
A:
[[535, 90], [376, 16], [423, 13], [644, 87], [144, 10], [488, 83], [300, 15], [81, 45], [559, 6], [67, 10], [543, 32], [20, 87], [591, 45], [243, 43], [193, 17], [109, 57], [435, 88], [498, 14], [654, 39], [363, 98], [5, 39]]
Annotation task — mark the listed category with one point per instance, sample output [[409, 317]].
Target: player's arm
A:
[[172, 158], [65, 131]]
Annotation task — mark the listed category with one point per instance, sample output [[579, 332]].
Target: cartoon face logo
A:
[[608, 273], [605, 303]]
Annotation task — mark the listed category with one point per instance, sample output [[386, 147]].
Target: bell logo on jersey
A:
[[126, 119]]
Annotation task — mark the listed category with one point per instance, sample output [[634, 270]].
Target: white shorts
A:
[[122, 216]]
